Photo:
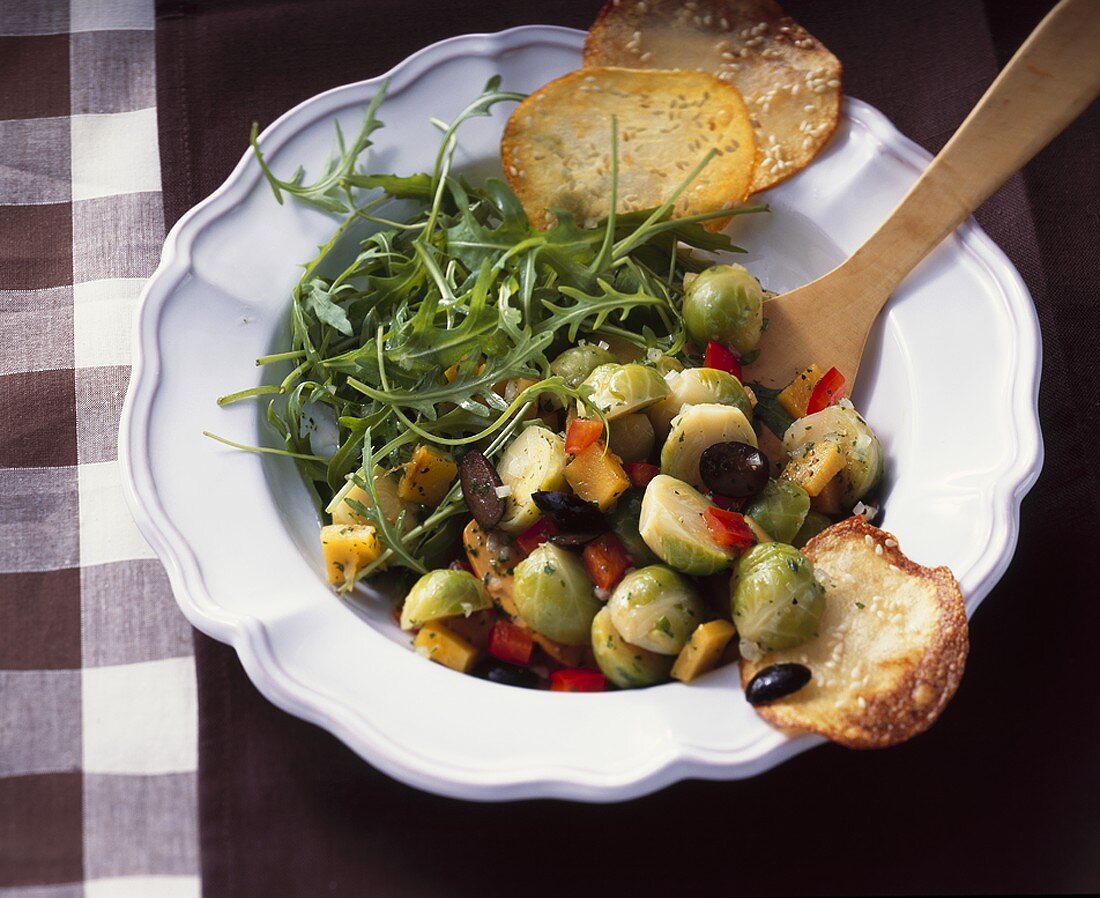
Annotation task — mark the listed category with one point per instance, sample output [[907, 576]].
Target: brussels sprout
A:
[[842, 424], [631, 437], [385, 487], [443, 593], [673, 526], [621, 389], [697, 386], [623, 521], [655, 608], [577, 362], [627, 666], [815, 522], [780, 509], [667, 363], [696, 429], [724, 303], [775, 599], [533, 461], [553, 594]]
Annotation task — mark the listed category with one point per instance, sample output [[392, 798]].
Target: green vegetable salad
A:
[[543, 436]]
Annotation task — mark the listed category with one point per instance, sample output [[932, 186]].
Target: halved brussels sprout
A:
[[780, 509], [385, 486], [621, 389], [623, 520], [577, 362], [776, 601], [656, 609], [631, 437], [673, 526], [696, 429], [842, 424], [443, 593], [533, 461], [553, 595], [697, 386], [627, 666], [724, 303]]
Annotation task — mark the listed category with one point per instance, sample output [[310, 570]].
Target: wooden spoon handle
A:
[[1048, 82]]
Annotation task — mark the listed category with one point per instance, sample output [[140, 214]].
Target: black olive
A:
[[479, 488], [776, 681], [508, 675], [734, 469], [569, 513], [574, 539]]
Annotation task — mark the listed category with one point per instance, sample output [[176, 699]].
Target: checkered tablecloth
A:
[[98, 741]]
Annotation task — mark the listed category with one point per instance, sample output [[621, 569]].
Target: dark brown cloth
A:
[[1000, 796]]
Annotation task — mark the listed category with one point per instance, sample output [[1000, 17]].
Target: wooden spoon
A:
[[1045, 86]]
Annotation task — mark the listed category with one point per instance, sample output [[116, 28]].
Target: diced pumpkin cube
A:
[[703, 650], [427, 476], [451, 373], [437, 643], [348, 548], [818, 465], [796, 395], [597, 476]]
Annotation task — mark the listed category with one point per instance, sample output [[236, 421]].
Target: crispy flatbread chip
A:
[[790, 81], [556, 148], [892, 645]]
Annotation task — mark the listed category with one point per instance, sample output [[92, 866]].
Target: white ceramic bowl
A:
[[950, 385]]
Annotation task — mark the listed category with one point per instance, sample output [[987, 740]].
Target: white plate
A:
[[951, 387]]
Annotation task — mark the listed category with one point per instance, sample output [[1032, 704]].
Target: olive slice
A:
[[733, 469], [776, 681], [570, 513], [479, 488], [576, 538]]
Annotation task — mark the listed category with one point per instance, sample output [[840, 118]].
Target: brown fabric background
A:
[[998, 797]]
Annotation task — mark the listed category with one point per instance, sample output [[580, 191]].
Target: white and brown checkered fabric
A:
[[98, 743]]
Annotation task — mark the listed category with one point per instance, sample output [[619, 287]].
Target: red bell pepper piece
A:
[[606, 560], [720, 356], [640, 473], [729, 528], [510, 643], [535, 535], [826, 392], [581, 434], [577, 679]]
